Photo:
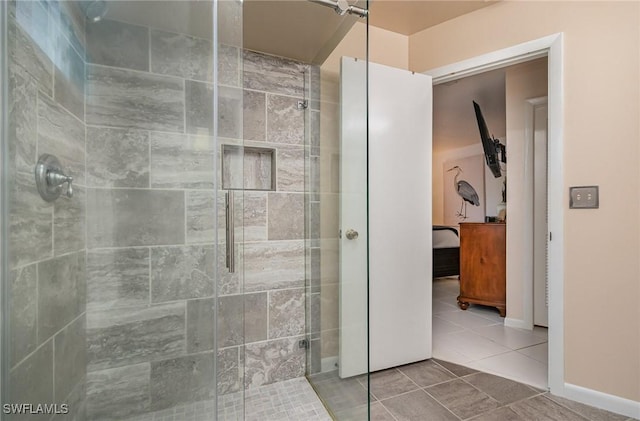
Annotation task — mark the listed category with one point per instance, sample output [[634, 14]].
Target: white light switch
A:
[[583, 197]]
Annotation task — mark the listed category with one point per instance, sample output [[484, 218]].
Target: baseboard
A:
[[601, 400], [517, 323], [329, 364]]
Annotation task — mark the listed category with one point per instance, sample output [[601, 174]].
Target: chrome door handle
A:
[[351, 234]]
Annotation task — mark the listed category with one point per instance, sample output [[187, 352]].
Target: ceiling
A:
[[409, 17], [454, 120], [296, 29]]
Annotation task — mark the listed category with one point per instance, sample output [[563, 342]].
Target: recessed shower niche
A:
[[248, 168]]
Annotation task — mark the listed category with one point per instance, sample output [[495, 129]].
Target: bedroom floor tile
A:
[[484, 343]]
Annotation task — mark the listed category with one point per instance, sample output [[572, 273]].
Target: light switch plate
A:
[[583, 197]]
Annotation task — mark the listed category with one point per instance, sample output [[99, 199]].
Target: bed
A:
[[446, 251]]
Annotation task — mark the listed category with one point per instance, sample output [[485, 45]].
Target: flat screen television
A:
[[494, 151]]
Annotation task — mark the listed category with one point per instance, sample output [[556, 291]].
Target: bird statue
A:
[[465, 191]]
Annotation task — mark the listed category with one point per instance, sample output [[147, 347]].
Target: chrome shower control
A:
[[50, 178], [351, 234]]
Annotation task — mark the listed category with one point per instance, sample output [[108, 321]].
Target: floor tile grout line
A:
[[442, 404]]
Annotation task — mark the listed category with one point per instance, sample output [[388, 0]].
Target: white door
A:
[[399, 218], [540, 273]]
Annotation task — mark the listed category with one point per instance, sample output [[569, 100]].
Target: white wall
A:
[[492, 185], [523, 81]]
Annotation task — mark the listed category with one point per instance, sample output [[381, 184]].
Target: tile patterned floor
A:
[[291, 400], [477, 338], [442, 391]]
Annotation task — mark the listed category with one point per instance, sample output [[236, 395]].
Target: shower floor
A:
[[291, 400]]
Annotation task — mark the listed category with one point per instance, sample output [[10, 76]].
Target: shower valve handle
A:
[[57, 178]]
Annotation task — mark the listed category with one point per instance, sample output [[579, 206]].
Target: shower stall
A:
[[170, 205]]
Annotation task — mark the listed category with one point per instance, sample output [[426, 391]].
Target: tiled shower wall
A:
[[150, 206], [120, 313], [272, 290], [46, 241]]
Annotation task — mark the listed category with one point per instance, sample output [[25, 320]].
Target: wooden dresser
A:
[[483, 249]]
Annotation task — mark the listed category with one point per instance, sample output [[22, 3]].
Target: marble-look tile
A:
[[23, 122], [255, 216], [32, 380], [120, 337], [122, 98], [426, 373], [181, 55], [286, 313], [117, 157], [590, 412], [61, 134], [313, 219], [249, 168], [30, 217], [230, 283], [315, 85], [315, 313], [255, 317], [69, 18], [254, 117], [413, 407], [503, 390], [286, 216], [121, 218], [182, 161], [68, 85], [228, 65], [387, 383], [272, 74], [273, 265], [316, 269], [273, 361], [116, 393], [117, 278], [230, 112], [314, 134], [77, 403], [201, 213], [462, 399], [70, 360], [179, 273], [118, 44], [29, 44], [68, 222], [30, 223], [543, 408], [183, 379], [200, 322], [23, 306], [314, 357], [290, 168], [199, 108], [230, 321], [285, 122], [61, 292], [228, 370]]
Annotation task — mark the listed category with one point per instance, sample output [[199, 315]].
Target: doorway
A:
[[551, 47]]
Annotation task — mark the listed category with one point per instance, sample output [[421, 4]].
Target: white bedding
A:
[[445, 238]]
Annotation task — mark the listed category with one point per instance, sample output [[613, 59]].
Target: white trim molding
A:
[[602, 400], [552, 47], [517, 323]]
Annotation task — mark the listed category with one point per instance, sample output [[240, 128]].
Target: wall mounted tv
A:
[[494, 151]]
